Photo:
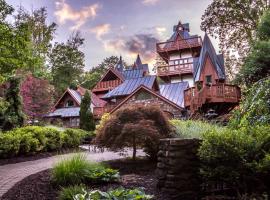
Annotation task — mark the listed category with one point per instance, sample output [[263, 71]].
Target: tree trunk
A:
[[134, 149]]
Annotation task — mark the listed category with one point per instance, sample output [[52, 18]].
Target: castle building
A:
[[192, 80]]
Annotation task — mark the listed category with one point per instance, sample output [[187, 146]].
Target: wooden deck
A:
[[177, 45], [106, 85], [219, 93]]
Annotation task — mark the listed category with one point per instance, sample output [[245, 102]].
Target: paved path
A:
[[12, 173]]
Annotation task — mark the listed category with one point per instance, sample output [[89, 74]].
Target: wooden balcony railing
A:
[[180, 66], [107, 85], [212, 94], [179, 44]]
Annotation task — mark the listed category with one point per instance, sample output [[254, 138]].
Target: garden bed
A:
[[139, 174]]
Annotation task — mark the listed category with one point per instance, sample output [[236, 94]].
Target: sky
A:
[[119, 27]]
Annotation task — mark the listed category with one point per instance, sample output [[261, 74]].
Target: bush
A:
[[54, 139], [73, 137], [29, 144], [119, 193], [138, 126], [9, 145], [69, 192], [77, 170], [192, 129], [238, 157]]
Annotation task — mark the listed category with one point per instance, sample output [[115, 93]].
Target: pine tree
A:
[[14, 116], [86, 117]]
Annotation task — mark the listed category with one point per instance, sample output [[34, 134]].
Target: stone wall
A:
[[178, 168]]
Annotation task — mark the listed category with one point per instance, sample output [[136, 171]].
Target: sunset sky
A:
[[119, 27]]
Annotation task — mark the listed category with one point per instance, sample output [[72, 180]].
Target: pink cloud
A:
[[101, 30]]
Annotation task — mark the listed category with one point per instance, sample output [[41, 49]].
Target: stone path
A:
[[12, 173]]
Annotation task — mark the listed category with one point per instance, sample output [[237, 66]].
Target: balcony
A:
[[219, 93], [191, 42], [176, 67], [106, 85]]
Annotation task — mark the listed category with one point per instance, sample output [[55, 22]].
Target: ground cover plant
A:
[[124, 129], [34, 139], [192, 129], [78, 170]]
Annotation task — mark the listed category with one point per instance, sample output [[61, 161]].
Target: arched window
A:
[[69, 103]]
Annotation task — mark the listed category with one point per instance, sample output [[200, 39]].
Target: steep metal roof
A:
[[65, 112], [96, 101], [75, 95], [130, 85], [133, 73], [119, 66], [174, 92], [217, 60]]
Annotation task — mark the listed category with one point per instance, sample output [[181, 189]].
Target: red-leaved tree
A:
[[37, 96]]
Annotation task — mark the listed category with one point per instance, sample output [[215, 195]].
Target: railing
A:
[[179, 66], [179, 44], [212, 94], [105, 85]]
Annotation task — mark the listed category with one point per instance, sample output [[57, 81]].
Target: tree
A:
[[67, 63], [37, 96], [91, 77], [138, 126], [256, 64], [14, 116], [86, 117], [41, 35], [234, 23], [5, 10]]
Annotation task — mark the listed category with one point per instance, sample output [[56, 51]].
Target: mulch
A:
[[133, 174], [36, 156]]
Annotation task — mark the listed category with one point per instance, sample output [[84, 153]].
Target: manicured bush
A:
[[78, 170], [138, 126], [192, 129], [68, 193], [73, 137], [54, 139], [119, 193], [28, 144], [239, 158], [9, 145]]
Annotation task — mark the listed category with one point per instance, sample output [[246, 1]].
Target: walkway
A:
[[12, 173]]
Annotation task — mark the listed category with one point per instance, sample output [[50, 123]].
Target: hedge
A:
[[33, 139]]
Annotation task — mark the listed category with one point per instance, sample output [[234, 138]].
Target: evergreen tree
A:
[[86, 117], [14, 116]]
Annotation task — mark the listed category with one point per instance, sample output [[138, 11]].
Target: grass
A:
[[78, 170], [193, 129]]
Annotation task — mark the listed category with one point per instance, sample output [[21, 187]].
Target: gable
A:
[[208, 69], [111, 75], [70, 98]]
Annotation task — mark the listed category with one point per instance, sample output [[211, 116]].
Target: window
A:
[[208, 79], [74, 122], [69, 103]]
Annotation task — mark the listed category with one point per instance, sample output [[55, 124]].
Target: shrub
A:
[[54, 139], [138, 126], [28, 144], [77, 170], [238, 157], [69, 192], [9, 145], [192, 129], [73, 137], [119, 193]]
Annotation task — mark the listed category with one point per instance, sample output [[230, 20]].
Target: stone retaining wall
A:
[[178, 168]]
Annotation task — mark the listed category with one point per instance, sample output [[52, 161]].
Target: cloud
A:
[[143, 44], [64, 12], [149, 2], [160, 30], [101, 30]]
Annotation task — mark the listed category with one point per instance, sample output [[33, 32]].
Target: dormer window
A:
[[208, 79], [69, 103]]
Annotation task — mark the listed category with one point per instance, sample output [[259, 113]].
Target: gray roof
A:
[[174, 92], [119, 66], [217, 60], [132, 73], [128, 86], [76, 95], [65, 112]]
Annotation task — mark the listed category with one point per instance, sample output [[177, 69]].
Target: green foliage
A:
[[14, 116], [3, 107], [86, 117], [192, 129], [124, 129], [263, 30], [67, 63], [5, 10], [78, 170], [34, 139], [255, 108], [234, 22], [68, 193], [105, 117], [238, 157], [119, 193]]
